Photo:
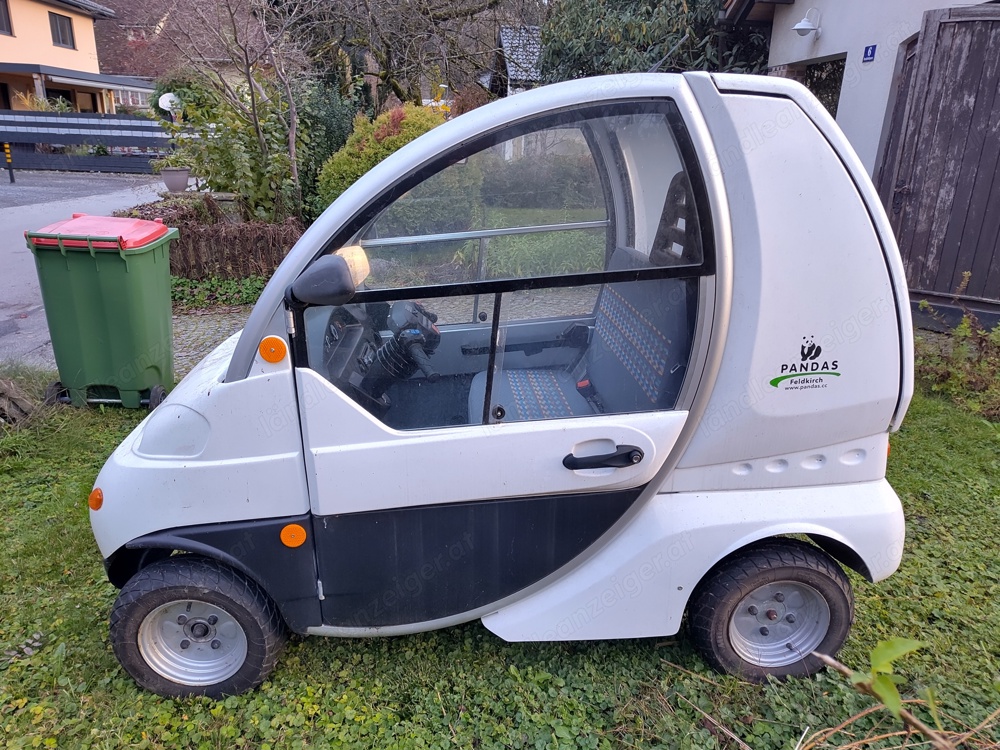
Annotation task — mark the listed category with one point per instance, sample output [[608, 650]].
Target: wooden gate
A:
[[938, 178]]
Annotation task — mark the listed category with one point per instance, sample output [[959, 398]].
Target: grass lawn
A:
[[60, 685]]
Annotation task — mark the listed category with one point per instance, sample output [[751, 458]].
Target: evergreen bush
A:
[[370, 143]]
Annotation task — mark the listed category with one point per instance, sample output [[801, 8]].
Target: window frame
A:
[[6, 25], [610, 158], [58, 23], [573, 116], [130, 98]]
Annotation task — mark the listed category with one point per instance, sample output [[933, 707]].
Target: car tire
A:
[[762, 612], [188, 625]]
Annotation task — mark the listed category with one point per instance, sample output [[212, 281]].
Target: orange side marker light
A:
[[293, 535], [96, 499], [273, 349]]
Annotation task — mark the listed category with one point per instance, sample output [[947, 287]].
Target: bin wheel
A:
[[55, 393], [157, 395], [188, 625], [765, 610]]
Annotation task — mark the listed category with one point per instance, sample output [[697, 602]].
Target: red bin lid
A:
[[130, 233]]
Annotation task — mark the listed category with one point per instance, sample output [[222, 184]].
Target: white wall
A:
[[847, 27]]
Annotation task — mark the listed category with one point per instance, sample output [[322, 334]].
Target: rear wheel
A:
[[764, 611], [191, 626]]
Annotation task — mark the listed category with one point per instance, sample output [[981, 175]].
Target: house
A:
[[918, 101], [48, 50], [137, 41], [868, 36], [517, 64]]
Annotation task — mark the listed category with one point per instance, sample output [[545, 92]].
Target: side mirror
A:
[[328, 281]]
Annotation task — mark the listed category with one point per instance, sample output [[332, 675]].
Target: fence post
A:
[[10, 165]]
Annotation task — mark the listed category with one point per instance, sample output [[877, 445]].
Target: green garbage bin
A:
[[105, 284]]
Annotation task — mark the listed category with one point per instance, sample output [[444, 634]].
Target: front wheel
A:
[[191, 626], [764, 611]]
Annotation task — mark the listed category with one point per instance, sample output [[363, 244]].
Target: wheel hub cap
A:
[[192, 642], [779, 623]]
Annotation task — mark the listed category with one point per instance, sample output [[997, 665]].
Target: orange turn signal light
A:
[[293, 535], [96, 499], [273, 349]]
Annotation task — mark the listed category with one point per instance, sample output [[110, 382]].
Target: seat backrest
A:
[[642, 338]]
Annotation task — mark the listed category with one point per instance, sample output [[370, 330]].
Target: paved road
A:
[[31, 188], [34, 201]]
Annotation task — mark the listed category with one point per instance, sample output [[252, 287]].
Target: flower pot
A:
[[175, 178]]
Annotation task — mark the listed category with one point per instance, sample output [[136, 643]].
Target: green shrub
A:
[[538, 253], [591, 37], [369, 144], [228, 156], [545, 254], [185, 86], [233, 151], [556, 181], [327, 116], [446, 202], [965, 368], [214, 291]]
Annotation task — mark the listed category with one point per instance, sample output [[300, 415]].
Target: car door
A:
[[515, 367]]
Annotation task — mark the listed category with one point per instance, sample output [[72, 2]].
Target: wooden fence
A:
[[939, 178], [231, 251], [79, 142]]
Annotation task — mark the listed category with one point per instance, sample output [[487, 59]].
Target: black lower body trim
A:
[[411, 565], [287, 574]]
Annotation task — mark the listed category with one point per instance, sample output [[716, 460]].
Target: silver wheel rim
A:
[[191, 642], [779, 624]]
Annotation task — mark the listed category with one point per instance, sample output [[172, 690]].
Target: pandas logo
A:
[[810, 372], [810, 349]]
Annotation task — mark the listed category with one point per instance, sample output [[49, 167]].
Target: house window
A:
[[62, 30], [5, 27], [131, 98]]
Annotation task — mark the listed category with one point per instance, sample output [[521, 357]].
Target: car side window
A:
[[550, 272]]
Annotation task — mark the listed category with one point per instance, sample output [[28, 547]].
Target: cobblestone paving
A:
[[198, 333]]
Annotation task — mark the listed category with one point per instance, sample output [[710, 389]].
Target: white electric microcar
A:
[[573, 364]]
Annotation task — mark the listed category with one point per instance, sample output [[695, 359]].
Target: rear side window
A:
[[549, 271]]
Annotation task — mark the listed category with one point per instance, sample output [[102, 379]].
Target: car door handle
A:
[[624, 455]]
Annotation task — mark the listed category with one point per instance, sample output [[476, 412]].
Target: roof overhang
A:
[[750, 11], [86, 7], [76, 77]]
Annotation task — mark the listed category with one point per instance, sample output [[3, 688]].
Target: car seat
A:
[[635, 359]]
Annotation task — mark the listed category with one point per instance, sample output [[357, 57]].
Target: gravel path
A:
[[196, 334]]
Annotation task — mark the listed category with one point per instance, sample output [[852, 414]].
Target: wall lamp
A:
[[809, 24]]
